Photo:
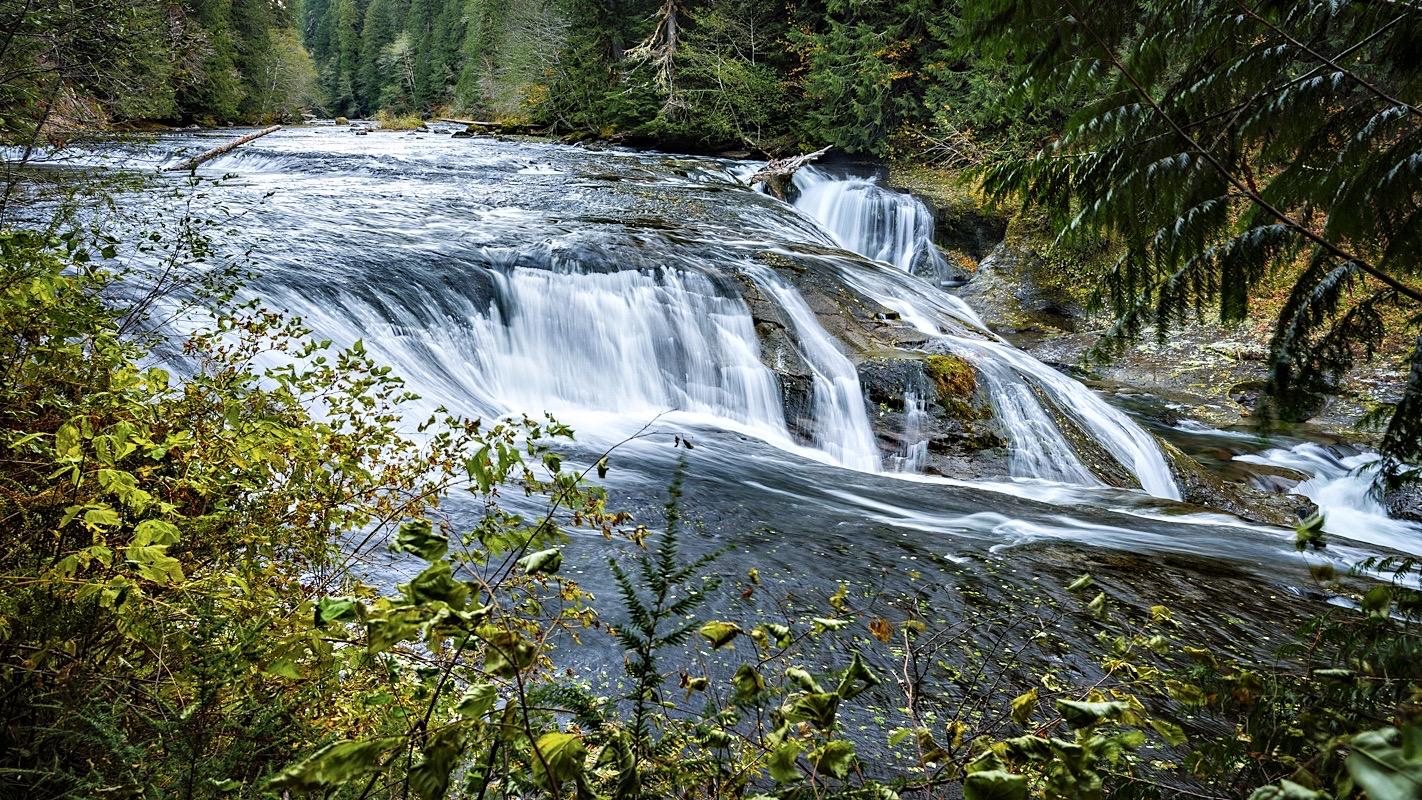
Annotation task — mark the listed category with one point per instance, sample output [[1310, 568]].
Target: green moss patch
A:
[[955, 378]]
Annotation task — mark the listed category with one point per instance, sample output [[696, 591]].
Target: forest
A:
[[630, 399], [866, 77]]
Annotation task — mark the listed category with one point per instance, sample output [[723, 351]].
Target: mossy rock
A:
[[955, 378]]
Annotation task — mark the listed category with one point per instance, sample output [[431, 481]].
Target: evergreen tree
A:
[[1228, 143], [381, 27]]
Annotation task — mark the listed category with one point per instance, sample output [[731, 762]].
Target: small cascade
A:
[[865, 218], [1341, 483], [1038, 447], [842, 427], [913, 447], [850, 210]]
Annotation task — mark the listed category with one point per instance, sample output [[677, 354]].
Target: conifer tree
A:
[[1228, 143]]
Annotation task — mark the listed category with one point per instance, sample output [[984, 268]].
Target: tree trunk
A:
[[194, 163], [777, 174]]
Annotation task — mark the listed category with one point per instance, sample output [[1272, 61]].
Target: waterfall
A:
[[842, 426], [913, 446], [567, 341], [865, 218], [875, 222], [1341, 483]]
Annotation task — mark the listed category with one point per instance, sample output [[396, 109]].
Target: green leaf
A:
[[1024, 706], [994, 784], [1381, 766], [101, 518], [1309, 534], [419, 538], [748, 683], [437, 584], [544, 561], [774, 631], [1377, 601], [67, 442], [818, 708], [154, 564], [1097, 606], [802, 678], [1286, 790], [562, 757], [334, 765], [833, 758], [822, 624], [477, 701], [284, 668], [782, 762], [430, 775], [334, 609], [155, 531], [507, 654], [857, 679], [1080, 584], [720, 634], [1081, 714], [1173, 734]]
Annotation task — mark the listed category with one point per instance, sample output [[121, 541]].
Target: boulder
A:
[[1201, 487], [1405, 502], [952, 413]]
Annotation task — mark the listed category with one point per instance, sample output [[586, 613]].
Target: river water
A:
[[615, 290]]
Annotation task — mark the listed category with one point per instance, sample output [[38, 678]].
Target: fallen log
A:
[[777, 174], [469, 123], [197, 161]]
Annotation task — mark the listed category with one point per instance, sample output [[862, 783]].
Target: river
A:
[[625, 291]]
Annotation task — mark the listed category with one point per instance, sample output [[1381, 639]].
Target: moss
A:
[[391, 122], [955, 378], [948, 190]]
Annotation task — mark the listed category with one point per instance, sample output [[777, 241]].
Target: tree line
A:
[[73, 67], [730, 74]]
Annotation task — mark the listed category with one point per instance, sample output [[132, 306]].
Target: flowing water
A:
[[898, 229], [616, 289]]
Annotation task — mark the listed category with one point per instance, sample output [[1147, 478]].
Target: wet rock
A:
[[1274, 479], [781, 354], [1008, 291], [1200, 487], [954, 414], [1405, 502], [963, 223]]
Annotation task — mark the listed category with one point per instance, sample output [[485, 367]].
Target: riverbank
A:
[[1038, 294]]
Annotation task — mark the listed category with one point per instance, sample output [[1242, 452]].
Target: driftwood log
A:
[[197, 161], [777, 174]]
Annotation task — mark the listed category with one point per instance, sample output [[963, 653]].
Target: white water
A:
[[470, 267], [913, 446], [897, 229], [1342, 487], [842, 426], [865, 218]]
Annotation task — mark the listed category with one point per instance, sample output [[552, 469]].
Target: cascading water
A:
[[864, 218], [568, 341], [853, 213], [913, 446], [609, 287], [841, 421], [1341, 483]]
